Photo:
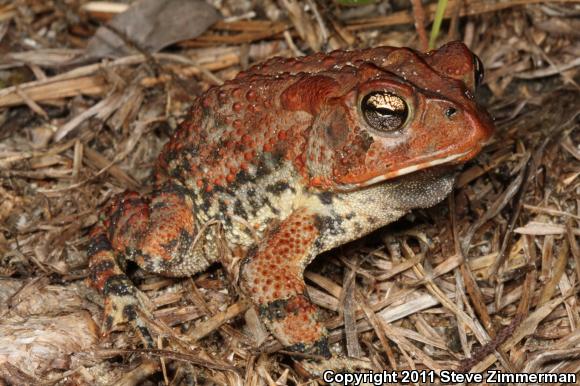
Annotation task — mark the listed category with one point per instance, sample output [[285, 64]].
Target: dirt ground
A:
[[487, 279]]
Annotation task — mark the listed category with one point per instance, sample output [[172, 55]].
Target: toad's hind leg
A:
[[157, 231], [273, 278]]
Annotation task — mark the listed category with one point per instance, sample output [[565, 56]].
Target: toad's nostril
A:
[[450, 112]]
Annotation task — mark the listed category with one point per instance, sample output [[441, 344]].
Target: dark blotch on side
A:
[[279, 188], [274, 210], [99, 244], [263, 170], [275, 310], [223, 207], [239, 209], [326, 198], [118, 285], [129, 312], [243, 177], [320, 347], [329, 224]]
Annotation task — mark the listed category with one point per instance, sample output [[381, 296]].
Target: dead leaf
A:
[[152, 25]]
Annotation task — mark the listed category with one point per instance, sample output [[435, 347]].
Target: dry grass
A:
[[496, 265]]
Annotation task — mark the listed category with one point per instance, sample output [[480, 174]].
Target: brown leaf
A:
[[152, 25]]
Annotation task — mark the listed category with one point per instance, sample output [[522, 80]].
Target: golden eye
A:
[[384, 111]]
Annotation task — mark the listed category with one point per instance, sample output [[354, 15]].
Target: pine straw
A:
[[496, 265]]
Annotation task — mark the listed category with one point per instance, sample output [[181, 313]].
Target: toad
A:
[[292, 158]]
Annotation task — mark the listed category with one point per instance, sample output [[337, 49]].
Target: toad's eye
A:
[[478, 71], [384, 111]]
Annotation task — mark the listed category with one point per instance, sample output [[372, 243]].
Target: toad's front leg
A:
[[272, 276]]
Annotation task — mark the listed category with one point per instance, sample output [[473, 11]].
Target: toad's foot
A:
[[124, 303]]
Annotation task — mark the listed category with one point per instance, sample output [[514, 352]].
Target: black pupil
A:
[[384, 111]]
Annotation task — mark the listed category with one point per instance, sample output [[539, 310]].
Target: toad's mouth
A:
[[416, 167]]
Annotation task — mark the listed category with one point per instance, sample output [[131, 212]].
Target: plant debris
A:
[[151, 25], [485, 280]]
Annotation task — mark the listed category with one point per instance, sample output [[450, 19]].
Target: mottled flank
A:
[[292, 158]]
